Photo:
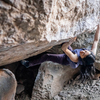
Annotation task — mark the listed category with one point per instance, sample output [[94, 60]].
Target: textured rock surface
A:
[[29, 27], [50, 80], [90, 90]]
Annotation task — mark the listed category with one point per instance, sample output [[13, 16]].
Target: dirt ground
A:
[[76, 90]]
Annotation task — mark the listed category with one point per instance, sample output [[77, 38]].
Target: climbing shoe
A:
[[25, 63]]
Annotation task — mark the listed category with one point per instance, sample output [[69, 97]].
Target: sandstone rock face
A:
[[50, 80], [29, 27]]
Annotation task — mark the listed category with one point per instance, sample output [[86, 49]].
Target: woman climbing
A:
[[83, 57]]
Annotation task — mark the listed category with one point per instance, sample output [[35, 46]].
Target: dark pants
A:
[[57, 58]]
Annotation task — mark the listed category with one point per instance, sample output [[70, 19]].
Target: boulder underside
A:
[[29, 27]]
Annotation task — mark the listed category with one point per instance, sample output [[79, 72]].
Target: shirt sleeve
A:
[[74, 64]]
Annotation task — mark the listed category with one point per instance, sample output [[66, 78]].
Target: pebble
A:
[[19, 89], [75, 94], [56, 98], [97, 84], [69, 95], [62, 94], [81, 84], [93, 82], [65, 88], [63, 98], [82, 96]]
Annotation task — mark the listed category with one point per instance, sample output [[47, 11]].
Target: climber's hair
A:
[[87, 72]]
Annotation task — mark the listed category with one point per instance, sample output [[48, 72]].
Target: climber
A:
[[83, 57]]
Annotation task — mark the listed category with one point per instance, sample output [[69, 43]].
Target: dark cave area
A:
[[25, 77]]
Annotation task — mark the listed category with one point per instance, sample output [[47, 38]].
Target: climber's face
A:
[[84, 53]]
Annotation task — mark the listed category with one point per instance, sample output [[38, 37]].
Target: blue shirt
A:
[[74, 64]]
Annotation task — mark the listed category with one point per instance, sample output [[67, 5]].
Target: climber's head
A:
[[84, 53], [87, 69], [88, 57]]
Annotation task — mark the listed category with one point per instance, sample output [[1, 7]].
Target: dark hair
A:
[[89, 59], [87, 72]]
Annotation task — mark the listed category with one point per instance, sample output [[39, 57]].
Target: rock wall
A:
[[29, 27]]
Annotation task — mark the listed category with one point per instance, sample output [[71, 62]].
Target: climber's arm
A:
[[96, 40], [71, 55]]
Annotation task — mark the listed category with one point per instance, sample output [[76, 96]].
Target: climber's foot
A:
[[25, 63]]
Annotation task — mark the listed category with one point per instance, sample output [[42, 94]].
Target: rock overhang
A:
[[29, 28]]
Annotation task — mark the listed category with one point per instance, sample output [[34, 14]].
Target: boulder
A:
[[8, 85], [51, 79], [29, 27]]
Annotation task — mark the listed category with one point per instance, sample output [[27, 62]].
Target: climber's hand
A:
[[72, 40], [66, 44]]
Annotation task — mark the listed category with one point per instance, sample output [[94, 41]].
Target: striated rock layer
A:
[[29, 27]]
